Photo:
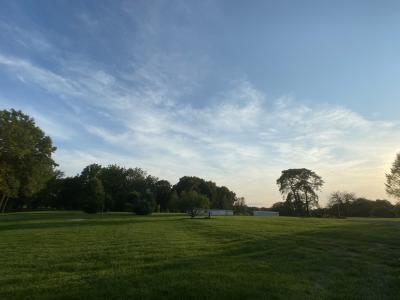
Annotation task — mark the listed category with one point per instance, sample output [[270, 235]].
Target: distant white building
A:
[[265, 213], [220, 212], [217, 212]]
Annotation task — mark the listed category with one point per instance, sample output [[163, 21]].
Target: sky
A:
[[230, 91]]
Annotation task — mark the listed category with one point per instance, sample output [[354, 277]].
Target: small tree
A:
[[239, 206], [194, 203]]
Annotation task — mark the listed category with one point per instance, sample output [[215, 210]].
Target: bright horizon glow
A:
[[230, 92]]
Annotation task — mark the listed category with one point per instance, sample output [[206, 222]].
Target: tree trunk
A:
[[299, 204], [307, 210], [295, 202], [2, 201], [5, 204]]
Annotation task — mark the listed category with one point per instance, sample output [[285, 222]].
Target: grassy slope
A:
[[119, 256]]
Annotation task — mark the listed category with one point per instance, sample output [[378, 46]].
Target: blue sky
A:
[[232, 91]]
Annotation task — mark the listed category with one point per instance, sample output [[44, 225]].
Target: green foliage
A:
[[383, 209], [163, 193], [361, 207], [25, 156], [382, 212], [141, 204], [343, 204], [219, 197], [90, 172], [283, 208], [239, 206], [71, 193], [174, 203], [193, 203], [93, 201], [115, 182], [48, 196]]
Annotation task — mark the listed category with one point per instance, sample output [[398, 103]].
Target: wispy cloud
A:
[[140, 115], [30, 39], [242, 135]]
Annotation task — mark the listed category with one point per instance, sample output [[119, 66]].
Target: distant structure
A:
[[220, 212], [265, 213], [217, 212]]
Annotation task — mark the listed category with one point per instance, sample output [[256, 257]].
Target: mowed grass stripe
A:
[[52, 255]]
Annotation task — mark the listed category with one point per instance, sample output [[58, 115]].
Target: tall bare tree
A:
[[341, 201]]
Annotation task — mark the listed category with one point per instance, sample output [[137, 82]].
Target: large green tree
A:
[[300, 187], [25, 157]]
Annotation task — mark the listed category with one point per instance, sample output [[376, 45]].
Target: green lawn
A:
[[70, 255]]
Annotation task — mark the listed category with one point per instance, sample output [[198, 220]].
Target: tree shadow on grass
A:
[[347, 261], [75, 223]]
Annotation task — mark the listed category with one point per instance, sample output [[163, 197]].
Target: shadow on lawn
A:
[[80, 222], [354, 261]]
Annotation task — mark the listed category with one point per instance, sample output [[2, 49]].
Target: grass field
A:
[[60, 255]]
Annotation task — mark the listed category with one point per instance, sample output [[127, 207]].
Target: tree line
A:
[[115, 188], [29, 179], [345, 204], [300, 187]]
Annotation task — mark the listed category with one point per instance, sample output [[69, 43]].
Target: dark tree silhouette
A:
[[300, 187]]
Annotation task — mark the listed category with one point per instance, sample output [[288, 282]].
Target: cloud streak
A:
[[239, 137]]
